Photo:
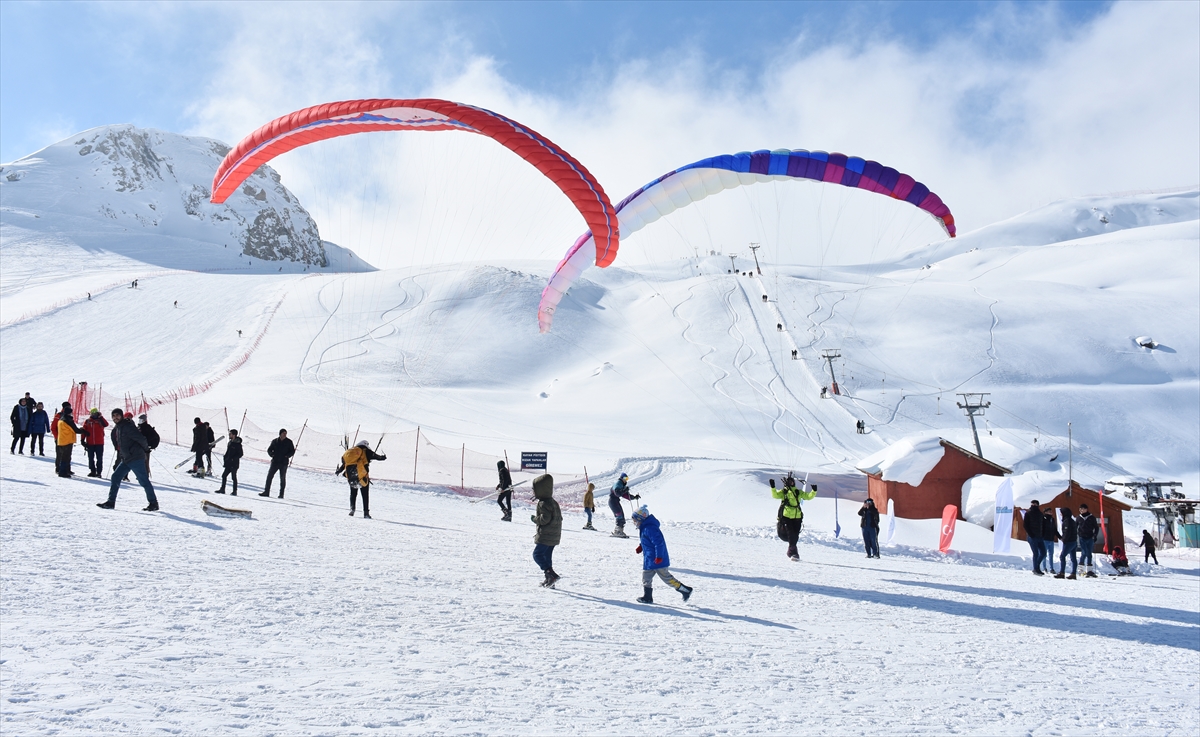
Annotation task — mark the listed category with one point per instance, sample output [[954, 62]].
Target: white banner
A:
[[891, 516], [1002, 527]]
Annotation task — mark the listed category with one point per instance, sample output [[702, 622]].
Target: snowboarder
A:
[[1070, 545], [1120, 562], [791, 515], [870, 527], [202, 439], [132, 449], [39, 425], [1147, 539], [589, 505], [65, 431], [92, 438], [231, 461], [505, 487], [620, 490], [1089, 528], [281, 451], [152, 439], [1032, 524], [20, 426], [1049, 536], [655, 559], [356, 467], [548, 518]]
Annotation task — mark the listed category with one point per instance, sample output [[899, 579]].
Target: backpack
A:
[[151, 435], [780, 525]]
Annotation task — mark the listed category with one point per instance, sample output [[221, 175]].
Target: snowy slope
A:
[[428, 618]]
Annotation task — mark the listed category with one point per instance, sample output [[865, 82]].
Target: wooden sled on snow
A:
[[216, 510]]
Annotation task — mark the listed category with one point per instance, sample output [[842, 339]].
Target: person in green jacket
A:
[[792, 515]]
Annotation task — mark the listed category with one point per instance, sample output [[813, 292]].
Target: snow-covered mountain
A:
[[129, 181]]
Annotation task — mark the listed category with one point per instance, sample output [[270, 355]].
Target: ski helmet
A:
[[624, 476], [641, 514]]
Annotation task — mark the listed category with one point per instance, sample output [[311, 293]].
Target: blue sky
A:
[[1000, 107], [65, 67]]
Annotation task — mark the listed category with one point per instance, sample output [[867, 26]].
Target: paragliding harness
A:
[[780, 524]]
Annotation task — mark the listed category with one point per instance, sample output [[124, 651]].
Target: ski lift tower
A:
[[733, 263], [754, 250], [829, 355], [974, 404]]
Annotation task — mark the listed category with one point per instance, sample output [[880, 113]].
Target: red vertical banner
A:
[[949, 517]]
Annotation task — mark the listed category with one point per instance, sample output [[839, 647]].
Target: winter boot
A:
[[150, 508], [366, 514], [281, 493], [588, 527], [107, 505], [619, 531], [648, 597], [351, 511], [266, 494], [551, 578], [221, 490], [686, 591], [1060, 575], [1071, 577]]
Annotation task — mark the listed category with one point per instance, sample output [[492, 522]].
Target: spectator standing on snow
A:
[[65, 431], [1147, 539], [1070, 545], [1089, 528], [655, 559], [132, 449], [505, 488], [92, 438], [589, 505], [548, 518], [21, 415], [1049, 536], [281, 451], [356, 467], [231, 461], [870, 527], [202, 438], [619, 491], [791, 514], [1033, 535], [39, 425], [152, 439]]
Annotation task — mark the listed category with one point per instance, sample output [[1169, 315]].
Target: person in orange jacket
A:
[[65, 431]]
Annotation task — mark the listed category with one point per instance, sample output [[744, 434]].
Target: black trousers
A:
[[95, 454], [505, 501], [1149, 550], [40, 439], [281, 469], [19, 437], [793, 532], [62, 459], [226, 474], [354, 492]]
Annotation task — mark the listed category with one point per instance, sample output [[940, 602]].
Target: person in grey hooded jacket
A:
[[548, 519]]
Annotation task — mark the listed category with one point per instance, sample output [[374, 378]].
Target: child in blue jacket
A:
[[654, 556]]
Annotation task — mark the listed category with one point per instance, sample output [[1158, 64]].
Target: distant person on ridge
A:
[[356, 467], [1070, 545], [791, 514], [548, 518], [65, 431], [231, 461], [619, 491], [39, 425], [133, 447], [589, 505], [505, 487], [281, 451], [1089, 528], [655, 559], [1147, 539], [21, 415], [1033, 535], [870, 527], [92, 438]]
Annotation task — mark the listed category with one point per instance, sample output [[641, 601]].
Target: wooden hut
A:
[[1071, 498], [941, 486]]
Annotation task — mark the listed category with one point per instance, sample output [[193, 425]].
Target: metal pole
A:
[[299, 438], [177, 420], [416, 448], [243, 422], [462, 471], [227, 428]]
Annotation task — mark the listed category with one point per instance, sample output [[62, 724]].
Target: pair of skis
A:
[[211, 445]]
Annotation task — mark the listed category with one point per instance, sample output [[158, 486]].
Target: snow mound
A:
[[906, 461]]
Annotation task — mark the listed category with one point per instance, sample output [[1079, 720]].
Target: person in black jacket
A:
[[233, 459], [281, 451], [1147, 543], [1089, 528], [132, 450], [1070, 544], [1049, 536], [1033, 534], [506, 491], [152, 439], [202, 439], [21, 415], [870, 527]]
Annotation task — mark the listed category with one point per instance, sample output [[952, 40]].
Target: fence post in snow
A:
[[243, 422], [416, 447], [227, 428], [299, 438], [177, 420], [462, 471]]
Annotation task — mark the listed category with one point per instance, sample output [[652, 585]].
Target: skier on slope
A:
[[791, 514], [356, 467], [505, 487], [655, 558], [548, 518], [619, 491]]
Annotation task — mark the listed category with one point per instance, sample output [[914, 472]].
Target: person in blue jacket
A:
[[620, 490], [654, 557], [39, 425]]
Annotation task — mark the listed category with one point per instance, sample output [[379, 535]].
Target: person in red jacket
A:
[[92, 439]]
